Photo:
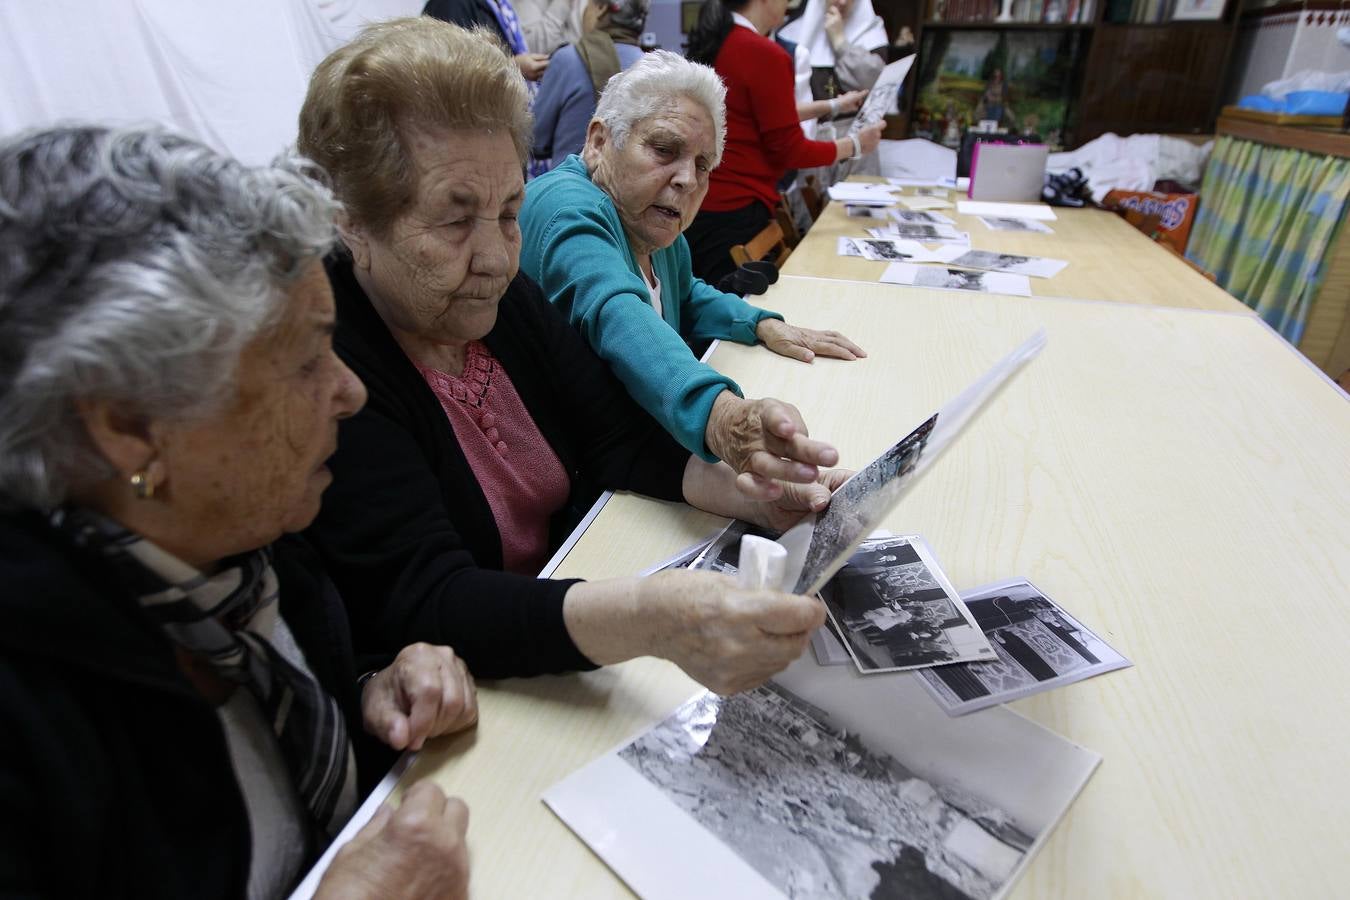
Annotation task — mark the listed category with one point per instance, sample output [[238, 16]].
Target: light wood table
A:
[[1176, 479], [1108, 258]]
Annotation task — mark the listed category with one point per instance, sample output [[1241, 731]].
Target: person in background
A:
[[549, 24], [578, 73], [177, 693], [841, 50], [491, 425], [763, 139], [602, 237], [499, 17]]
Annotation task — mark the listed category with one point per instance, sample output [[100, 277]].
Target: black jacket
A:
[[115, 778], [405, 530], [466, 14]]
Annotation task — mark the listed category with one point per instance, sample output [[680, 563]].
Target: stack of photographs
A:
[[824, 784], [1039, 647]]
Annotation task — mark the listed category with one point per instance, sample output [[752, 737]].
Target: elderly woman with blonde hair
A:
[[491, 426], [180, 708], [603, 238]]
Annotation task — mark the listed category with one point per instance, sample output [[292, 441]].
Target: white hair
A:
[[651, 85], [135, 266]]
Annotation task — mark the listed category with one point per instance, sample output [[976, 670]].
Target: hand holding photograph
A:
[[819, 545], [823, 784], [882, 94], [1039, 647]]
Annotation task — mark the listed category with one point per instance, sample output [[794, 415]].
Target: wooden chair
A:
[[812, 196], [768, 241], [783, 216]]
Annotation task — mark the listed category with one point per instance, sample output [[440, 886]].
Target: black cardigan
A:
[[115, 777], [406, 531], [466, 14]]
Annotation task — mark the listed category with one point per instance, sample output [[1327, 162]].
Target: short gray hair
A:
[[651, 85], [135, 266]]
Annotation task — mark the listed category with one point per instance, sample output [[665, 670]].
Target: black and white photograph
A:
[[926, 232], [881, 250], [847, 247], [856, 507], [919, 217], [1035, 266], [939, 192], [1012, 223], [820, 785], [1039, 647], [858, 211], [881, 98], [896, 610], [951, 279]]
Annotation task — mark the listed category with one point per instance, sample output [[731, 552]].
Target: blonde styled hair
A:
[[412, 73]]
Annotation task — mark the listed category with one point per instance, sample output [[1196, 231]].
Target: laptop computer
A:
[[1013, 172]]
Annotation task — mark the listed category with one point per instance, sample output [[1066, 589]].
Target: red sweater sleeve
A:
[[764, 138]]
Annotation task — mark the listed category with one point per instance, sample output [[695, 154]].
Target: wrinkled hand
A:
[[725, 638], [799, 499], [416, 852], [766, 442], [850, 102], [426, 692], [805, 343], [870, 137], [532, 65]]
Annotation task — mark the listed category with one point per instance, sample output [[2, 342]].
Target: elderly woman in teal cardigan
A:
[[602, 235]]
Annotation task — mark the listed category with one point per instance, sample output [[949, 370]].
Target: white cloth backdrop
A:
[[230, 73]]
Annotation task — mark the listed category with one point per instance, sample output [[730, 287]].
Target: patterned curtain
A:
[[1267, 218]]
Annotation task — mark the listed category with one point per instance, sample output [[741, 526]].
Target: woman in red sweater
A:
[[764, 139]]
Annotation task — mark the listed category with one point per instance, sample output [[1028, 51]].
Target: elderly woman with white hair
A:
[[603, 238], [177, 692], [491, 426]]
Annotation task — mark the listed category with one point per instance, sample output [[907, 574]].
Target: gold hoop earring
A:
[[142, 485]]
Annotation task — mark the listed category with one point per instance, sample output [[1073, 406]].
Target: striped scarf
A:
[[209, 617]]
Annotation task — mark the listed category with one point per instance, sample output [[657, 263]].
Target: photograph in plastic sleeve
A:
[[1039, 647], [896, 610], [852, 507], [825, 785], [882, 96], [1012, 223], [1035, 266], [945, 278]]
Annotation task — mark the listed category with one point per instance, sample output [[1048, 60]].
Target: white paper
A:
[[916, 162], [846, 247], [945, 278], [761, 563], [855, 192], [1038, 211], [920, 203], [1012, 223], [814, 785], [1035, 266], [882, 93]]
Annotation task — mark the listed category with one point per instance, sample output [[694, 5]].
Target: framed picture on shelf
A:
[[1198, 9], [1021, 79]]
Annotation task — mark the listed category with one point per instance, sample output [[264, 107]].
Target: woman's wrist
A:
[[834, 106]]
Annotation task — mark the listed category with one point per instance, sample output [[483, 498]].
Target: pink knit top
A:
[[520, 475]]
